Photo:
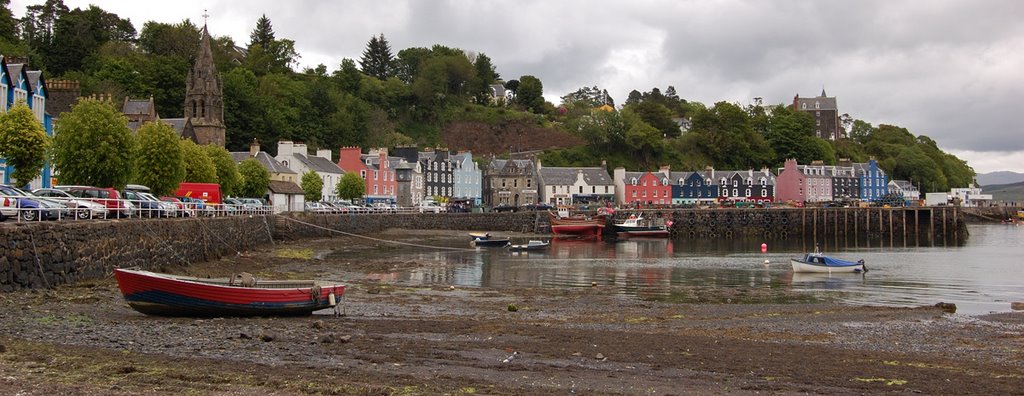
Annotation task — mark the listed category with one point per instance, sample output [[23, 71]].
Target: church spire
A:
[[204, 102]]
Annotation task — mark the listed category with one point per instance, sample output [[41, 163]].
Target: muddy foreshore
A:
[[394, 339]]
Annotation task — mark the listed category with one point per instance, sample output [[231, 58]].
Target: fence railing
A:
[[30, 209]]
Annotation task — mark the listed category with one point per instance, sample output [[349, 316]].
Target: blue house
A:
[[468, 183], [17, 84], [694, 187], [874, 183]]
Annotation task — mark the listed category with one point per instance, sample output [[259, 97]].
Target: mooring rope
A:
[[378, 239]]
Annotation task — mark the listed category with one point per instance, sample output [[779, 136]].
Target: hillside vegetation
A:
[[440, 97]]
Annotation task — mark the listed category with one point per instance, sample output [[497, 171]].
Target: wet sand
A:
[[394, 339]]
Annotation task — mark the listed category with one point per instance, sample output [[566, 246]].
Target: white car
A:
[[429, 207], [82, 208]]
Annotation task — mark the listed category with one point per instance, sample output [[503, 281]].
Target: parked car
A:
[[147, 207], [252, 205], [317, 207], [81, 208], [429, 207], [29, 207], [381, 207], [504, 208], [182, 209], [109, 197], [537, 206]]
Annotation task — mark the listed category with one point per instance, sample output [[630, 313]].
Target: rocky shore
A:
[[394, 339]]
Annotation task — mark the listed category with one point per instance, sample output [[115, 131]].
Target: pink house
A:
[[790, 184]]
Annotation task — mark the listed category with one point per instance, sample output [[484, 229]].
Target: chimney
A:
[[254, 147], [324, 153], [665, 169], [284, 148]]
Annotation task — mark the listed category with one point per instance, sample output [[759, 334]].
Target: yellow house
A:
[[606, 108]]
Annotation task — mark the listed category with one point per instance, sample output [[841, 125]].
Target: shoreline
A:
[[84, 339]]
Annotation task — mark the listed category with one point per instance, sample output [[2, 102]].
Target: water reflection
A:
[[981, 276]]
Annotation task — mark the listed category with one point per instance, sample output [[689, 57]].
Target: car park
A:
[[429, 207], [81, 208], [29, 207], [109, 197], [148, 207]]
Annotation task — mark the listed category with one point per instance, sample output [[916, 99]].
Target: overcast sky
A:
[[950, 70]]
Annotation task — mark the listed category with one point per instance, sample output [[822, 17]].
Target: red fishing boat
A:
[[172, 295], [582, 225]]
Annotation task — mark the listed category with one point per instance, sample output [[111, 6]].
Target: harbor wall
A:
[[49, 254]]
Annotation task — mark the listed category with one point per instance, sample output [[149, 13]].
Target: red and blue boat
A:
[[154, 293]]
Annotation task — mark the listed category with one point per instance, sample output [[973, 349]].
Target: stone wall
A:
[[47, 254]]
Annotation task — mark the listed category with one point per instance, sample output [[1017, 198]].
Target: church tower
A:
[[204, 97]]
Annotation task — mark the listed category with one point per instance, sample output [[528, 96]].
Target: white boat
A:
[[638, 226], [532, 245], [820, 263]]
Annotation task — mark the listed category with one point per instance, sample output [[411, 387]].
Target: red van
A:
[[208, 192]]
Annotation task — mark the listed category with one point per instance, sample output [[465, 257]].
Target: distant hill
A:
[[1000, 177], [1006, 192]]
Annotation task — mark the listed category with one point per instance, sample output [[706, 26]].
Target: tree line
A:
[[408, 97]]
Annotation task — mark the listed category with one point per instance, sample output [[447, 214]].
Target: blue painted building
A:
[[874, 183], [694, 187], [17, 84], [468, 178]]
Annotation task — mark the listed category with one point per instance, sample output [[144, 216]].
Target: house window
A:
[[817, 105], [634, 193], [605, 189], [375, 189], [725, 193], [722, 182], [817, 114], [503, 182], [735, 183], [817, 122], [764, 192], [634, 181], [581, 189], [735, 192], [764, 182], [593, 189], [803, 106], [528, 183], [362, 174], [644, 194], [374, 175]]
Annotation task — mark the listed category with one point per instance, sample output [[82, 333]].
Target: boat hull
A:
[[653, 232], [491, 242], [589, 229], [167, 295], [805, 267]]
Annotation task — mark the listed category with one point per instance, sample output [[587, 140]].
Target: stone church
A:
[[204, 102]]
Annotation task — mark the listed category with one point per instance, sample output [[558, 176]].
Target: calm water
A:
[[985, 275]]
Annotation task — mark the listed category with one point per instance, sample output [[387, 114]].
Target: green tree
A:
[[179, 40], [79, 33], [227, 169], [8, 25], [160, 163], [351, 186], [263, 34], [199, 167], [93, 145], [485, 76], [267, 54], [23, 142], [377, 60], [530, 94], [861, 131], [313, 186], [658, 116], [255, 179]]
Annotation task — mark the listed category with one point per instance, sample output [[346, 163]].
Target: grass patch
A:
[[293, 253]]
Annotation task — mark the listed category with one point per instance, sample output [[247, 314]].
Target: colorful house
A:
[[746, 186], [468, 178], [296, 157], [694, 187], [874, 183], [18, 84], [375, 168], [643, 188]]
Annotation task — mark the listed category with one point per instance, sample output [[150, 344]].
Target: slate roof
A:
[[285, 187], [319, 164], [13, 70], [824, 103], [137, 106], [497, 165], [904, 185], [553, 176], [33, 80], [265, 159]]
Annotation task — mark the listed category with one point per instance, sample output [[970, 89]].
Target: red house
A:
[[645, 188], [374, 168]]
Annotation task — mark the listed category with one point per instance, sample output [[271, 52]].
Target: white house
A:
[[296, 157]]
